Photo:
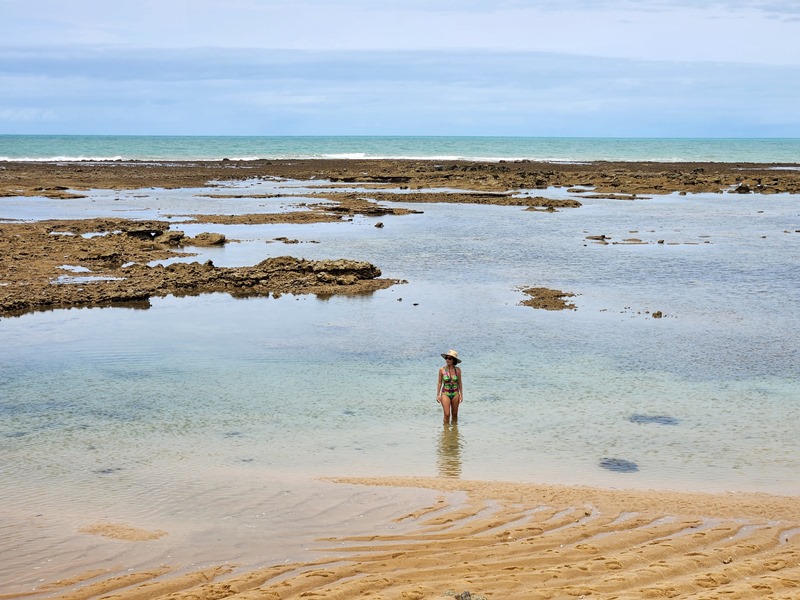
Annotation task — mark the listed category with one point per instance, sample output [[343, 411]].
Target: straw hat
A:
[[453, 354]]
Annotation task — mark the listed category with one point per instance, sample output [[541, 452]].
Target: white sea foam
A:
[[47, 159], [434, 157], [332, 156], [346, 155]]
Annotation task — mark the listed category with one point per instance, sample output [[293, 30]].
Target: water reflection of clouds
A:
[[449, 451]]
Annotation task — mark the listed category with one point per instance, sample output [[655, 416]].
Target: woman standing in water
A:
[[450, 387]]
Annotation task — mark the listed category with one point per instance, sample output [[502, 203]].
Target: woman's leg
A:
[[454, 407], [446, 407]]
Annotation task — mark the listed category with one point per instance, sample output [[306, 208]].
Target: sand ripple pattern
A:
[[524, 541]]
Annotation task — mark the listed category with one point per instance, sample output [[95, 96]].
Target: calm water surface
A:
[[133, 412]]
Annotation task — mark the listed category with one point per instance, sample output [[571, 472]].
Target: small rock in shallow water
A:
[[107, 471], [619, 465], [657, 419]]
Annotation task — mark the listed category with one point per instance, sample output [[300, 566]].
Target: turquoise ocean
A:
[[76, 147], [209, 414]]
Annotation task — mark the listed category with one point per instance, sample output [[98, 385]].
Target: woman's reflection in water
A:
[[449, 453]]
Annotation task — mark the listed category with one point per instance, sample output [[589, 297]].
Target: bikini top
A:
[[448, 379]]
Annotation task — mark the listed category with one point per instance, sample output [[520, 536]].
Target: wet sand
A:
[[497, 540]]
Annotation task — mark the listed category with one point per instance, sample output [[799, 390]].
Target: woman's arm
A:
[[460, 384], [439, 387]]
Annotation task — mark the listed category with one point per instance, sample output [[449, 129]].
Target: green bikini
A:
[[450, 385]]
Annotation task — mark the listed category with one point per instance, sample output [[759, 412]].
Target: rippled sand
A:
[[499, 540]]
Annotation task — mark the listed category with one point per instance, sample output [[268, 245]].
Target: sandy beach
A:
[[495, 540]]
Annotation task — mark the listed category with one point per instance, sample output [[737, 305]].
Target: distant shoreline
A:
[[631, 178]]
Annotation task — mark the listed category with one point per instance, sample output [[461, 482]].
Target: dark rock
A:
[[547, 299], [144, 234], [171, 238], [619, 465], [658, 419], [207, 239], [107, 471]]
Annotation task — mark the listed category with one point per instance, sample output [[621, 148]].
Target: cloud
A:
[[266, 92], [514, 67], [25, 114], [756, 31]]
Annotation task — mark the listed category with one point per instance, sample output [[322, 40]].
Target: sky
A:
[[596, 68]]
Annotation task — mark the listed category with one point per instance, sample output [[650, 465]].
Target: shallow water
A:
[[116, 409]]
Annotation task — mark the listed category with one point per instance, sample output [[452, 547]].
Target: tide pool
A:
[[95, 398]]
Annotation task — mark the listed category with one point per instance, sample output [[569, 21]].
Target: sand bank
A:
[[507, 540]]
